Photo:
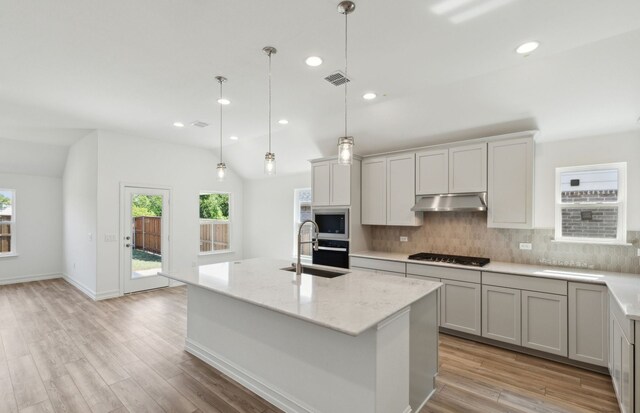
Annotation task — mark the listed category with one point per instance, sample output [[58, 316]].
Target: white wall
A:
[[80, 213], [268, 226], [38, 229], [623, 147], [187, 171]]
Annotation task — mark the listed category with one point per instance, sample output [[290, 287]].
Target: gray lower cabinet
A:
[[460, 306], [588, 323], [621, 366], [544, 322], [501, 314]]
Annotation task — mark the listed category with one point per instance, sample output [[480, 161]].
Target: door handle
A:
[[127, 238], [127, 245]]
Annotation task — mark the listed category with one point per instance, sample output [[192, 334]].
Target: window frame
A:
[[12, 225], [229, 248], [296, 220], [620, 203]]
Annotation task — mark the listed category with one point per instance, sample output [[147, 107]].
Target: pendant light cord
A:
[[346, 69], [269, 102], [220, 121]]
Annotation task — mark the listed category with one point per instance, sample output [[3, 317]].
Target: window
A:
[[302, 212], [7, 222], [591, 203], [215, 221]]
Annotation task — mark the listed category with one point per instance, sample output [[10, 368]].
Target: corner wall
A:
[[268, 229], [80, 219]]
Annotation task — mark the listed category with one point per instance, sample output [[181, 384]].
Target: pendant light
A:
[[222, 167], [345, 143], [269, 157]]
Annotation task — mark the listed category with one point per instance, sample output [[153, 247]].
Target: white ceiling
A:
[[137, 66]]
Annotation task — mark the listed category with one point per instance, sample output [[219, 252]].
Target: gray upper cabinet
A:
[[432, 172], [401, 195], [388, 191], [510, 184], [331, 183], [468, 168], [374, 191]]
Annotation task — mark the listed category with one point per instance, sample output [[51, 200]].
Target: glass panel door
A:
[[146, 238]]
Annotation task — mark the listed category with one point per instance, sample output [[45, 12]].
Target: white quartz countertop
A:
[[351, 303], [625, 288]]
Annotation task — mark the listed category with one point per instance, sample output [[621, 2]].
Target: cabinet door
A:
[[340, 184], [588, 323], [321, 183], [623, 367], [374, 191], [401, 195], [468, 168], [544, 322], [460, 306], [432, 172], [501, 314], [510, 184]]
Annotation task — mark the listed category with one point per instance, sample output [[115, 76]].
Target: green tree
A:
[[4, 202], [147, 206], [214, 206]]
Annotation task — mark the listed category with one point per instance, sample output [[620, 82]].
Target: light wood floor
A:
[[62, 352]]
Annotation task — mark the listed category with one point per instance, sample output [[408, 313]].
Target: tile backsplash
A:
[[466, 233]]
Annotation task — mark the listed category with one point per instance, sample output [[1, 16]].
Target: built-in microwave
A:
[[333, 223]]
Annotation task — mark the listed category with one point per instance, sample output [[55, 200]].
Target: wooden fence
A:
[[5, 235], [214, 235], [147, 234]]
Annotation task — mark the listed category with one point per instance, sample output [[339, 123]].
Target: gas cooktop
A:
[[450, 259]]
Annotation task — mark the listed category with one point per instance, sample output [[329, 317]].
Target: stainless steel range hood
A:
[[451, 202]]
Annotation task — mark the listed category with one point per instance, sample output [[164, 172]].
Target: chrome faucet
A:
[[315, 243]]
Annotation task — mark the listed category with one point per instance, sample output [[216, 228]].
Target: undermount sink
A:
[[318, 272]]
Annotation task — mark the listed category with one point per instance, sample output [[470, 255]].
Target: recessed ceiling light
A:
[[528, 47], [313, 61], [224, 101], [233, 138], [178, 124], [283, 121], [369, 96]]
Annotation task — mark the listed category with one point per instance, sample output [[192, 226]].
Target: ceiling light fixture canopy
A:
[[269, 157], [346, 142], [369, 96], [221, 168], [178, 124]]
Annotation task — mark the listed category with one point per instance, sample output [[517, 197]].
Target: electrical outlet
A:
[[404, 239], [638, 252], [525, 246], [90, 236], [110, 238]]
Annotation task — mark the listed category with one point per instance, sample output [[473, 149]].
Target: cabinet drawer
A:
[[523, 282], [433, 271], [383, 265], [423, 277], [625, 323]]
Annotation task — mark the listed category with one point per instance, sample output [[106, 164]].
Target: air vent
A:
[[199, 124], [337, 78]]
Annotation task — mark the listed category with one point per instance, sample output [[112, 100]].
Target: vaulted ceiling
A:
[[443, 70]]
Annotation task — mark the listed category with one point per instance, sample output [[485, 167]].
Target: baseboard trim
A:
[[105, 295], [424, 402], [256, 385], [84, 289], [29, 278]]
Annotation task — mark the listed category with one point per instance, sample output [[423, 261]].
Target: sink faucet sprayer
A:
[[315, 243]]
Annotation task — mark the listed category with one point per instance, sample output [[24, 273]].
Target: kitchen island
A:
[[359, 342]]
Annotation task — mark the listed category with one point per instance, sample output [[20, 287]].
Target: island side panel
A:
[[296, 365], [423, 350]]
